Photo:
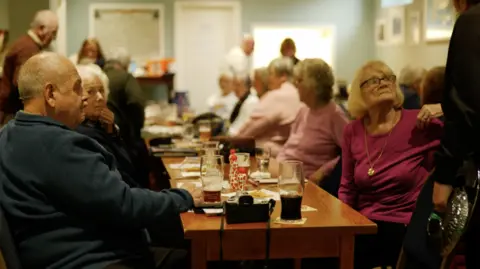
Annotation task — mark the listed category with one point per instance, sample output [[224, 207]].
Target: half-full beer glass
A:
[[211, 175], [291, 183], [205, 130]]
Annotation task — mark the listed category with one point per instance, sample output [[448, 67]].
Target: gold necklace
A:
[[371, 170]]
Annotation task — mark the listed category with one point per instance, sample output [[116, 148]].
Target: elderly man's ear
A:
[[49, 95]]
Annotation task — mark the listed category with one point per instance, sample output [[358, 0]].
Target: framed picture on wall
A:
[[381, 38], [396, 25], [415, 22], [439, 20]]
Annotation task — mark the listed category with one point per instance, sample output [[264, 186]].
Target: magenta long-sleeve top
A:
[[390, 193]]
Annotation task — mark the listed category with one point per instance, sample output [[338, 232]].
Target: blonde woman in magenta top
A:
[[385, 161], [316, 134]]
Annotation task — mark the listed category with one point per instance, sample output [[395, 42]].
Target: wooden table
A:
[[328, 232]]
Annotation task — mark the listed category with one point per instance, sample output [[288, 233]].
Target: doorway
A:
[[204, 33]]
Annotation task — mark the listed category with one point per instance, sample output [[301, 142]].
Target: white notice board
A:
[[137, 27]]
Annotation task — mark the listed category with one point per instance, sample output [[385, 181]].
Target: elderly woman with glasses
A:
[[386, 160], [316, 134], [271, 120]]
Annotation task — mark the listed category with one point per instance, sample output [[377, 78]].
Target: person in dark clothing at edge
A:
[[461, 108], [127, 102], [61, 193], [409, 80]]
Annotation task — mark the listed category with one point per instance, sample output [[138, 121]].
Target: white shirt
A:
[[238, 62], [244, 114], [222, 105]]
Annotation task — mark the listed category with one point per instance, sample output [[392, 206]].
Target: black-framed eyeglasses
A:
[[375, 81]]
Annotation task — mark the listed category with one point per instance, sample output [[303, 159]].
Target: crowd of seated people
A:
[[374, 139]]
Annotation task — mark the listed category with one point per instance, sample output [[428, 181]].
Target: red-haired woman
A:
[[90, 52], [288, 49]]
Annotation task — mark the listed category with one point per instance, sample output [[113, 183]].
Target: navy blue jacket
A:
[[114, 145], [66, 202]]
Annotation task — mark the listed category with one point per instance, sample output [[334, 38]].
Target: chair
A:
[[331, 184], [3, 265], [7, 246], [240, 144], [216, 122]]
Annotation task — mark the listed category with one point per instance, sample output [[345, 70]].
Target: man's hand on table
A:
[[195, 191]]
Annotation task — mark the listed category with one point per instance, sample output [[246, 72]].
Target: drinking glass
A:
[[243, 168], [205, 130], [243, 162], [188, 131], [211, 175], [210, 147], [291, 182], [262, 155]]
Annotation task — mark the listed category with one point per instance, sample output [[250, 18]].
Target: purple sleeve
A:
[[347, 191]]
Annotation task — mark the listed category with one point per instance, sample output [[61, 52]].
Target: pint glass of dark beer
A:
[[291, 183]]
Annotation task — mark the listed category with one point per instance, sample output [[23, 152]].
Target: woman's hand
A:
[[317, 177], [441, 193], [427, 113], [107, 118]]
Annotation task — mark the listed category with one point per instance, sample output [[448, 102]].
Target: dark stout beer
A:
[[291, 207]]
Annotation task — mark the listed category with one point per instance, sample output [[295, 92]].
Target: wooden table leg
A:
[[298, 264], [199, 254], [347, 246]]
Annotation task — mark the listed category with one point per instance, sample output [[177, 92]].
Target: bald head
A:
[[46, 18], [45, 26], [40, 70], [248, 44], [49, 85]]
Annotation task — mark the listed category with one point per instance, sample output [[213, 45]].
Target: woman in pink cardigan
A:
[[316, 134], [271, 120]]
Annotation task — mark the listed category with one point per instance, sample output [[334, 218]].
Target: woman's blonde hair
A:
[[317, 75], [356, 105]]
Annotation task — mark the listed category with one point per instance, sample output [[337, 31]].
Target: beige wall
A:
[[3, 14], [397, 56], [21, 13], [353, 20]]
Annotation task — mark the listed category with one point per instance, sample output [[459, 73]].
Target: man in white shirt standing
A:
[[238, 60]]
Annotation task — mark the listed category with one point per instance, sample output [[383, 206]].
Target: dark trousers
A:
[[472, 240], [381, 249], [161, 258]]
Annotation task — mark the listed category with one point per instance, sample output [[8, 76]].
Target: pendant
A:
[[371, 171]]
